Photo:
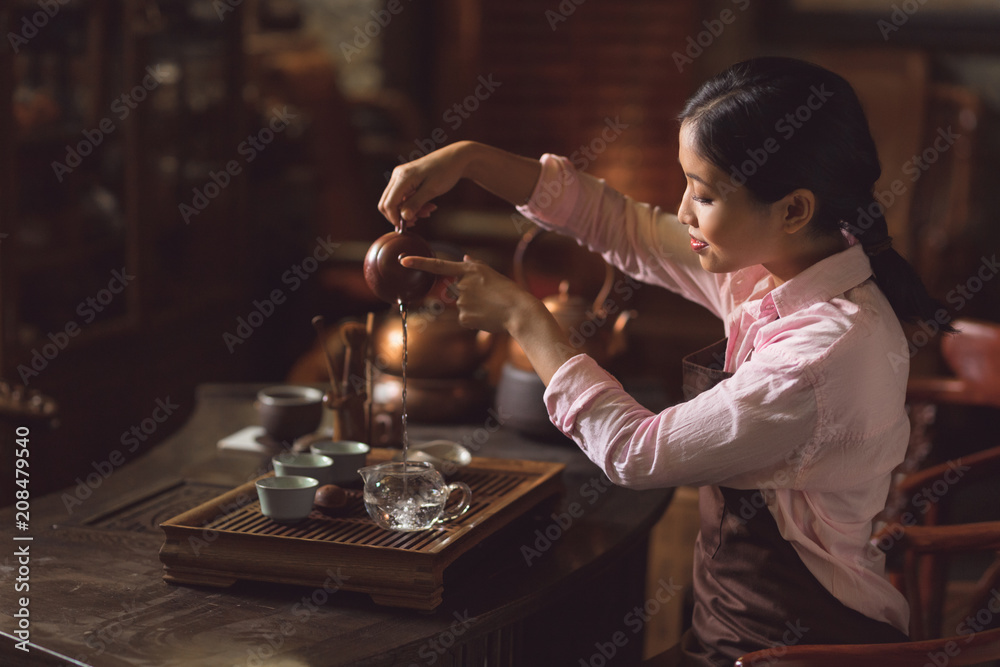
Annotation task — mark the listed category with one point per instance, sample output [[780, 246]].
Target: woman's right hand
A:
[[415, 184]]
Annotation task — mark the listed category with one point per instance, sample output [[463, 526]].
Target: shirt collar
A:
[[822, 281]]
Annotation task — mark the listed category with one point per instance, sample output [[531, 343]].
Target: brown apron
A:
[[751, 589]]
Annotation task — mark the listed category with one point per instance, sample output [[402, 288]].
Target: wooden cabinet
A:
[[124, 116], [122, 207]]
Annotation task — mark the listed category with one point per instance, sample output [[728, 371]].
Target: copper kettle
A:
[[437, 345], [595, 328]]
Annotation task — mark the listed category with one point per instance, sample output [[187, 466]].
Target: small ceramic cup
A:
[[287, 499], [289, 411], [304, 465], [348, 457]]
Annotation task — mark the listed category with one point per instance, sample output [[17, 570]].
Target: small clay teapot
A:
[[390, 280]]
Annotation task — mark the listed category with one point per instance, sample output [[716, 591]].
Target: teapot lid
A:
[[563, 302]]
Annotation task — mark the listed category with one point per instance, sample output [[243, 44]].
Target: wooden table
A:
[[543, 591]]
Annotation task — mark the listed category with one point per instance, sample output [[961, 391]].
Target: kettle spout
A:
[[485, 341], [619, 342]]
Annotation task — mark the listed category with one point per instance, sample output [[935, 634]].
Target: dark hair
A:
[[780, 124]]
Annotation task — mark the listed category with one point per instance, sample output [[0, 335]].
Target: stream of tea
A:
[[406, 518], [406, 438], [398, 508]]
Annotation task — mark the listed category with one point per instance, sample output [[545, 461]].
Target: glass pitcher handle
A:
[[462, 506]]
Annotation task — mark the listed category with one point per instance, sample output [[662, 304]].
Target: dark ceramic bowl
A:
[[520, 399], [289, 411]]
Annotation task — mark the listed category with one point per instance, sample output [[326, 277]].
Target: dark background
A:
[[364, 85]]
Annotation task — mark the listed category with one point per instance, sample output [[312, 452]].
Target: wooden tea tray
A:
[[228, 539]]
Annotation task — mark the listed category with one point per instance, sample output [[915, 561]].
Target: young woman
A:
[[793, 439]]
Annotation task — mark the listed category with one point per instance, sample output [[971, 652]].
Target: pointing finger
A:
[[441, 267]]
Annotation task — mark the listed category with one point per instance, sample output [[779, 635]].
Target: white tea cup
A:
[[286, 499], [348, 457], [305, 465]]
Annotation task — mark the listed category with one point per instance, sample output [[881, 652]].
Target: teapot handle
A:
[[463, 506], [522, 281]]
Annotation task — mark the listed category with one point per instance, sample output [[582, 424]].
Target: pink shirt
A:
[[814, 417]]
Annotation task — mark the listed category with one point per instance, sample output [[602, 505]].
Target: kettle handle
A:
[[519, 275]]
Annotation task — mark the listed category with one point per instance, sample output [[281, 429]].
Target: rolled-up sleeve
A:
[[746, 432], [643, 241]]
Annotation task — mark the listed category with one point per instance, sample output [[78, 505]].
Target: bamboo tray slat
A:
[[227, 539]]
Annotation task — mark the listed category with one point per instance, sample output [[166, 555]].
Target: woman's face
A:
[[729, 230]]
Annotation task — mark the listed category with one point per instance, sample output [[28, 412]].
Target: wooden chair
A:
[[911, 548], [921, 572], [969, 643], [973, 357], [951, 651]]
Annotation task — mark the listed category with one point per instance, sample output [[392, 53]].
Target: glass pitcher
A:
[[410, 496]]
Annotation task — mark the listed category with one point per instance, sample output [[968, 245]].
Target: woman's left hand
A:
[[490, 301], [487, 300]]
